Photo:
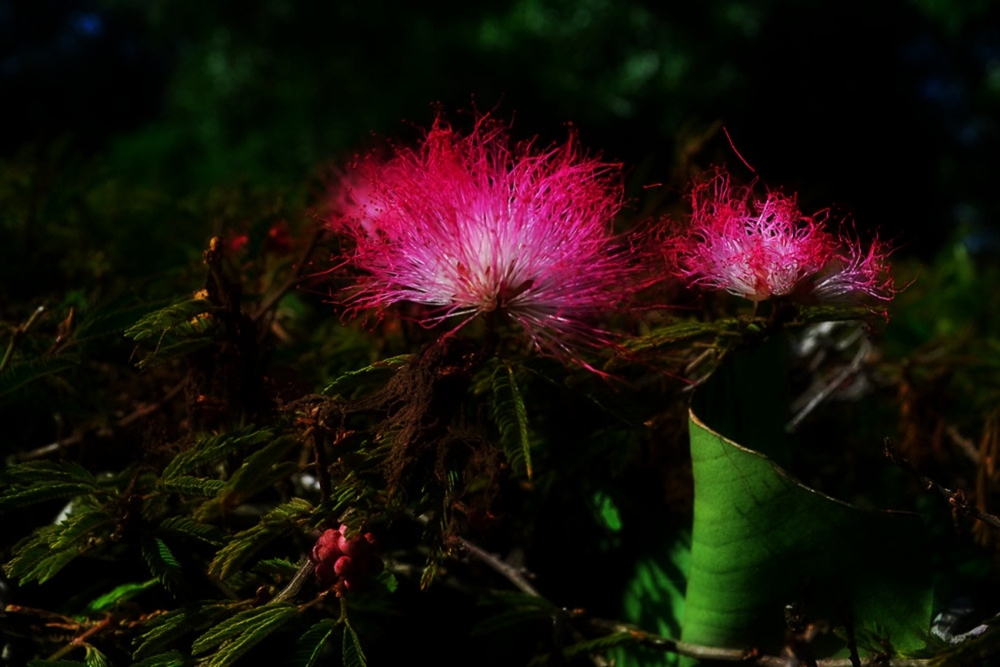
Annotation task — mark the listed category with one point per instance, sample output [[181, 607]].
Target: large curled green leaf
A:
[[761, 540]]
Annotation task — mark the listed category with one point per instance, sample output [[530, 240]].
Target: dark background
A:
[[887, 109]]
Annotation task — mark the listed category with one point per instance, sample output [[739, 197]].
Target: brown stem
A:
[[747, 656], [512, 574], [957, 498], [16, 336], [298, 581]]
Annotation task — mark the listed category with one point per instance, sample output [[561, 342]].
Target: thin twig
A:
[[965, 444], [76, 438], [513, 574], [16, 336], [746, 656], [957, 498], [856, 363], [305, 571], [269, 302]]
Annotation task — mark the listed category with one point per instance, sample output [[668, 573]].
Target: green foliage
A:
[[168, 659], [309, 646], [387, 581], [353, 655], [245, 544], [211, 449], [654, 598], [195, 530], [182, 315], [120, 593], [187, 485], [42, 555], [163, 564], [511, 417], [260, 470], [40, 481], [353, 383], [94, 658], [232, 638], [163, 631], [20, 373], [178, 329]]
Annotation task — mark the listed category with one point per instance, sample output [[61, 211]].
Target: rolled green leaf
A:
[[761, 541]]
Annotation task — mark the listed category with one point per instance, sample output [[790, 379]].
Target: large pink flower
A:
[[762, 248], [470, 225]]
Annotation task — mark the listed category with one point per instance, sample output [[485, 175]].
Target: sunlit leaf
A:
[[761, 540]]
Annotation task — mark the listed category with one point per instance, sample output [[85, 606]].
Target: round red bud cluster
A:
[[345, 564]]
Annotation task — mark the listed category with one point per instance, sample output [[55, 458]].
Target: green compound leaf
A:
[[165, 630], [187, 485], [162, 564], [235, 636], [511, 417], [209, 450], [350, 384], [761, 540], [387, 581], [33, 472], [41, 481], [42, 555], [260, 470], [353, 655], [189, 528], [160, 321], [95, 658], [15, 497], [169, 659], [245, 544], [21, 373], [310, 645]]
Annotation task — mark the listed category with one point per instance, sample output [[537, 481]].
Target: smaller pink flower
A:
[[854, 272], [762, 248]]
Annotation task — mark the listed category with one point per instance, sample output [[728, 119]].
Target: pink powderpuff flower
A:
[[853, 272], [470, 225], [351, 196], [762, 248]]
